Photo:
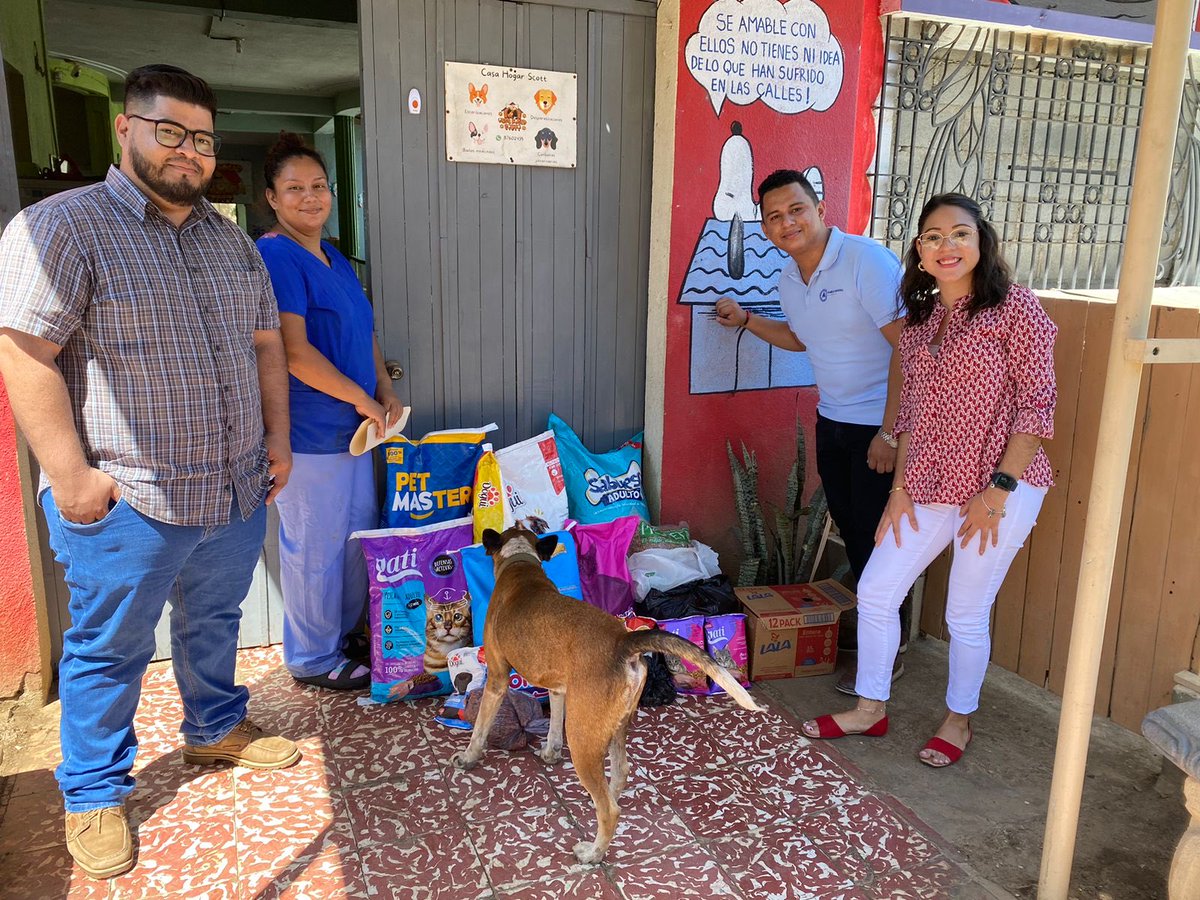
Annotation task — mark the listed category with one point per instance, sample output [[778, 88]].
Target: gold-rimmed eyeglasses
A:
[[933, 240], [172, 134]]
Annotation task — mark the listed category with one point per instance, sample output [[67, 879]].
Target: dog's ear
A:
[[546, 546], [491, 541]]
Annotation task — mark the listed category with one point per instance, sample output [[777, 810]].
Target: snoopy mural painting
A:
[[792, 69], [734, 258]]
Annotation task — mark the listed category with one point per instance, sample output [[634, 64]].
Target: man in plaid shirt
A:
[[140, 346]]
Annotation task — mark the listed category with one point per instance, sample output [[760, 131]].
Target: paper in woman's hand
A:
[[367, 436]]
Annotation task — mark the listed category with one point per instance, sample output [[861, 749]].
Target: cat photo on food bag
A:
[[447, 628]]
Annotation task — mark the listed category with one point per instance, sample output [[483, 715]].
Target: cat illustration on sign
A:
[[478, 96], [477, 134]]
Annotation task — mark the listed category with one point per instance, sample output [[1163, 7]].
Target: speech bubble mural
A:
[[780, 53]]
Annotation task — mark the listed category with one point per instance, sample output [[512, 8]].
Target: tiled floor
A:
[[721, 803]]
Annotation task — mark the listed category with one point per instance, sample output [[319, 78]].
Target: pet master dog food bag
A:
[[431, 480]]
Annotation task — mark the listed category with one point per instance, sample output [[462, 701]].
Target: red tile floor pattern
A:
[[721, 803]]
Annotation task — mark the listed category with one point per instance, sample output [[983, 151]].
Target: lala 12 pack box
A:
[[792, 629]]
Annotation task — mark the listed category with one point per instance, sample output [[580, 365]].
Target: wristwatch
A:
[[1004, 482]]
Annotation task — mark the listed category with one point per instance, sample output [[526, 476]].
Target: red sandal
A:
[[947, 749], [828, 728]]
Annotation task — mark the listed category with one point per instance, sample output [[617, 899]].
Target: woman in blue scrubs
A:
[[337, 379]]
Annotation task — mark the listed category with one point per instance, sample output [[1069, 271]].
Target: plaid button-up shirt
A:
[[157, 329]]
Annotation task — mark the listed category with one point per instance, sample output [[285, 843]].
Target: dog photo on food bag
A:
[[590, 664]]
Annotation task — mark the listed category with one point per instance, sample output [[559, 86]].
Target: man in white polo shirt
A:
[[839, 293]]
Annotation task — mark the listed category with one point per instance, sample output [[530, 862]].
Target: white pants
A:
[[322, 576], [974, 581]]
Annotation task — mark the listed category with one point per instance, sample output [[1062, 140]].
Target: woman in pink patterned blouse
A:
[[978, 399]]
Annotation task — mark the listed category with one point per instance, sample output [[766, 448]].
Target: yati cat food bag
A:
[[534, 486], [689, 678], [430, 480], [725, 639], [601, 486], [420, 607]]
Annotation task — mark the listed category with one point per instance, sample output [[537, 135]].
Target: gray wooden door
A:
[[508, 292]]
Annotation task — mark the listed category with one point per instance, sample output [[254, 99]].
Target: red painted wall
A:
[[18, 619], [696, 481]]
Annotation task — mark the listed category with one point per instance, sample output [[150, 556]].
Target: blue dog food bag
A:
[[431, 480], [601, 486], [562, 568], [419, 607]]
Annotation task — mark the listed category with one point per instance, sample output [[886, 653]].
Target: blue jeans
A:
[[121, 570]]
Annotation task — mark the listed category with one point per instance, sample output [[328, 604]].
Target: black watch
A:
[[1004, 482]]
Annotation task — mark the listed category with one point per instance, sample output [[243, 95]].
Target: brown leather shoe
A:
[[848, 674], [99, 841], [246, 745]]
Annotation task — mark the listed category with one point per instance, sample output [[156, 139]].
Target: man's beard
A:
[[174, 189]]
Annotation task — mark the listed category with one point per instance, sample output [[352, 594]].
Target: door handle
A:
[[394, 369]]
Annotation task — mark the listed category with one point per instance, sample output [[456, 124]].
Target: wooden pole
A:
[[1151, 182]]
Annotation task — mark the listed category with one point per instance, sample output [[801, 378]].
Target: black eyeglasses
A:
[[172, 134]]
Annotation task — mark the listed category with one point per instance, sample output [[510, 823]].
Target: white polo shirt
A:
[[837, 316]]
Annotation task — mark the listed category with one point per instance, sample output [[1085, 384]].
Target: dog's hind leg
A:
[[494, 691], [552, 750], [588, 758], [620, 759]]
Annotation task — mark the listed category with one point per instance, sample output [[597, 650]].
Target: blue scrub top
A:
[[340, 324]]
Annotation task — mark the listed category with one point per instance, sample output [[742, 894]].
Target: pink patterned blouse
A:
[[992, 377]]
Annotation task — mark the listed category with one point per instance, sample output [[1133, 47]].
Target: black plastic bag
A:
[[707, 597], [659, 689]]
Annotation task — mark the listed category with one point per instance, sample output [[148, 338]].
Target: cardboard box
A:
[[792, 629]]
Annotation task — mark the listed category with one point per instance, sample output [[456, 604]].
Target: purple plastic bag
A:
[[689, 678], [420, 608], [725, 639], [603, 570]]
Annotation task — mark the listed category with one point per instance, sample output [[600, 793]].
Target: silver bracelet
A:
[[889, 438]]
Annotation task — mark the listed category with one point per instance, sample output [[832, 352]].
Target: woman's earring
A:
[[921, 266]]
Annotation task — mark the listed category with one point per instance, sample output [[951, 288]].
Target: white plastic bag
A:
[[666, 568], [534, 488]]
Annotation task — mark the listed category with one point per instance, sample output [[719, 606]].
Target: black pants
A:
[[857, 495]]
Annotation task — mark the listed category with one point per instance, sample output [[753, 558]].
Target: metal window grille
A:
[[1041, 129]]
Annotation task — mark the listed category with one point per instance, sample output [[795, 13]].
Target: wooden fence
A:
[[1154, 610]]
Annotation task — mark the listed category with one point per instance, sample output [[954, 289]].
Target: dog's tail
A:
[[638, 642]]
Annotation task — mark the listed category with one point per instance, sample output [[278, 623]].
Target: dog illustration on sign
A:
[[545, 100], [477, 95], [512, 118], [477, 134], [545, 138]]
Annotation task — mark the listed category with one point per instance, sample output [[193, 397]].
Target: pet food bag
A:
[[660, 537], [689, 678], [534, 485], [603, 570], [562, 568], [419, 607], [431, 480], [725, 640], [601, 486], [488, 504]]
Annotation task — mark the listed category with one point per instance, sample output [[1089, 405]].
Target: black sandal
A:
[[338, 678]]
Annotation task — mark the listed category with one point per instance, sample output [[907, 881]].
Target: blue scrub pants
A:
[[323, 575]]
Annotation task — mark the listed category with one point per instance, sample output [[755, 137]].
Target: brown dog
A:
[[585, 658]]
